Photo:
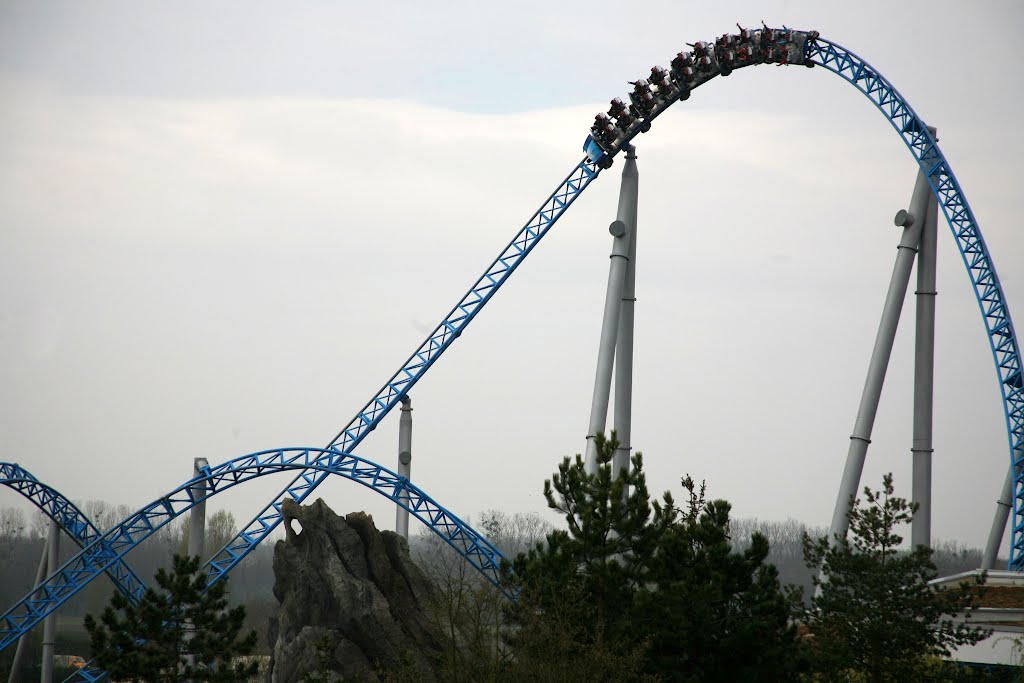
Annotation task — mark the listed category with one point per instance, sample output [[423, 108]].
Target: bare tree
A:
[[103, 514], [40, 524], [12, 530], [469, 610], [12, 523], [220, 528]]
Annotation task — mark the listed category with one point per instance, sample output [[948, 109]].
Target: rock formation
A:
[[352, 602]]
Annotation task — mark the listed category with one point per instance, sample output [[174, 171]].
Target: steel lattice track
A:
[[110, 547], [70, 519], [815, 51], [418, 363], [989, 293]]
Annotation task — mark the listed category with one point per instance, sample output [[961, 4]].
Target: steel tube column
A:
[[50, 623], [924, 378], [995, 536], [197, 515], [19, 650], [620, 229], [622, 416], [861, 437], [196, 531], [404, 464]]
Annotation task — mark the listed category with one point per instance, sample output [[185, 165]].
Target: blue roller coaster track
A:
[[72, 520], [108, 549], [707, 61]]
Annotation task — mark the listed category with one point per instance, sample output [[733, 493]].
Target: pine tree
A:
[[181, 631], [635, 589], [710, 612], [874, 611]]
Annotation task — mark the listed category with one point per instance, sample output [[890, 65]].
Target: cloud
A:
[[229, 270]]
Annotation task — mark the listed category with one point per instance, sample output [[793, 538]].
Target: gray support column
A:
[[19, 651], [623, 413], [995, 537], [861, 437], [404, 464], [196, 532], [197, 515], [50, 623], [924, 375], [612, 305]]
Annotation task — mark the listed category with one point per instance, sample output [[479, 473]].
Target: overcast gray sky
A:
[[224, 225]]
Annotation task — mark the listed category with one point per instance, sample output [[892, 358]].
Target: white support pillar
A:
[[911, 222], [622, 416], [404, 464], [924, 377], [50, 622], [620, 229], [995, 536], [19, 651], [197, 515]]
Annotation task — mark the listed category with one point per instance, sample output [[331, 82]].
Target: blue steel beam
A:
[[110, 547], [72, 520], [399, 384], [791, 47]]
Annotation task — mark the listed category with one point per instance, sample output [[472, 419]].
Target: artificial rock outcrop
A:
[[352, 603]]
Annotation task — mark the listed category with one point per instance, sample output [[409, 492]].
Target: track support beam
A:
[[19, 651], [924, 377], [404, 465], [622, 417], [995, 536], [619, 260], [50, 623], [197, 515], [911, 222]]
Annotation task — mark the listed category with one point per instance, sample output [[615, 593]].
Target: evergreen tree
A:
[[874, 612], [637, 589], [712, 613], [182, 631]]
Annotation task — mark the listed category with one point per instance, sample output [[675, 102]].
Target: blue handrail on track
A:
[[110, 547]]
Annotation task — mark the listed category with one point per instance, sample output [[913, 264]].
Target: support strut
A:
[[197, 515], [404, 465], [911, 222], [924, 378], [622, 416], [50, 623], [995, 536], [19, 651], [619, 259]]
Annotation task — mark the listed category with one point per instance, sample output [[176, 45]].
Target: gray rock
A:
[[352, 602]]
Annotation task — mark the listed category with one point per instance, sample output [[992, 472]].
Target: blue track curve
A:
[[72, 520], [795, 47], [110, 547], [398, 385], [976, 257], [81, 529]]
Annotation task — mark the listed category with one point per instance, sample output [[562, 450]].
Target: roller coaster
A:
[[611, 133]]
